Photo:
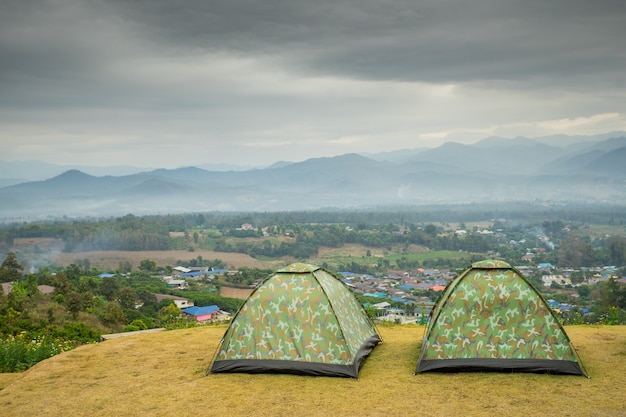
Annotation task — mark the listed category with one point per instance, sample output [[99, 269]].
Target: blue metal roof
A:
[[378, 294], [407, 287], [200, 311], [193, 274]]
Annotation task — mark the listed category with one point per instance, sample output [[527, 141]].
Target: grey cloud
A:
[[431, 41], [72, 43], [292, 70]]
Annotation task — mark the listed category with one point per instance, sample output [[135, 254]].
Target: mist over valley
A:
[[588, 170]]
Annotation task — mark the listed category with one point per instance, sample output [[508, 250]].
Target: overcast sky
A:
[[164, 83]]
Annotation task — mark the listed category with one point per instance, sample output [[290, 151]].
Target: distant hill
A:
[[492, 170], [37, 170]]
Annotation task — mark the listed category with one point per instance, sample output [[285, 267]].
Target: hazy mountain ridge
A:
[[492, 170]]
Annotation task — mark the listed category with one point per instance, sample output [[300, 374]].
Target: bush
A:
[[76, 333], [135, 325], [18, 353]]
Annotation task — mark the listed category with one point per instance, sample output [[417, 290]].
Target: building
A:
[[202, 314], [180, 302]]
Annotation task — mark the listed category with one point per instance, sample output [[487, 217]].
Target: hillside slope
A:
[[162, 374]]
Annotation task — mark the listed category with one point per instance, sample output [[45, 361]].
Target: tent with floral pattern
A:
[[301, 320], [490, 318]]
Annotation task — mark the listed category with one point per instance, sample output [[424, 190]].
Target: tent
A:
[[301, 320], [490, 318]]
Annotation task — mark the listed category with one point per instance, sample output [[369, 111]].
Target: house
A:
[[547, 280], [180, 302], [408, 287], [181, 269], [180, 284], [397, 275], [201, 314], [46, 289], [381, 306], [7, 287], [194, 274], [377, 295]]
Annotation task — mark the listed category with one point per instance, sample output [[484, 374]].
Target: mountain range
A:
[[586, 170]]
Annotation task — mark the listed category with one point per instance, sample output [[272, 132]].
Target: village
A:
[[405, 296]]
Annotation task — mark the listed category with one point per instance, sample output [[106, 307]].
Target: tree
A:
[[31, 285], [125, 267], [575, 252], [87, 284], [127, 297], [61, 284], [17, 297], [616, 246], [431, 229], [113, 314], [74, 304], [109, 288], [72, 272], [169, 313], [10, 270], [584, 290], [147, 265]]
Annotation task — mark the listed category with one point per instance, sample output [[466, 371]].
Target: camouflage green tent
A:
[[300, 320], [490, 318]]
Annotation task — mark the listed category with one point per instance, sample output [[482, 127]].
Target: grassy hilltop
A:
[[162, 374]]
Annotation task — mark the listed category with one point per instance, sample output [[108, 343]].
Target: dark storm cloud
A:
[[301, 76], [74, 43], [432, 41]]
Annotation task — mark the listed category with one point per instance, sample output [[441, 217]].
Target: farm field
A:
[[230, 292], [107, 260], [46, 251], [49, 251], [163, 374], [358, 254]]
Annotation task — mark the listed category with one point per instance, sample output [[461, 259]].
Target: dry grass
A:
[[359, 251], [110, 260], [162, 374], [44, 243], [230, 292]]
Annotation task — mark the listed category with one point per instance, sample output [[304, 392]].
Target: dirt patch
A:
[[360, 251], [241, 293], [347, 250], [110, 260]]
